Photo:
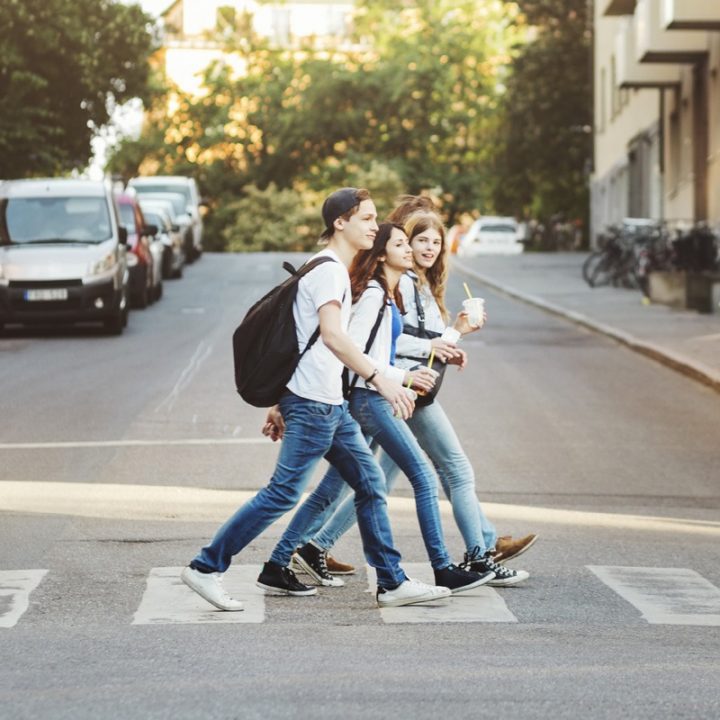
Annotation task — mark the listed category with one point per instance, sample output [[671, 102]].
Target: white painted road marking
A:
[[15, 589], [202, 352], [664, 596], [482, 604], [167, 600]]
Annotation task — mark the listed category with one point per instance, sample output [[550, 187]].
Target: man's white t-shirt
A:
[[318, 376]]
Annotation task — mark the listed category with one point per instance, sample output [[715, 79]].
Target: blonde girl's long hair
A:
[[415, 224]]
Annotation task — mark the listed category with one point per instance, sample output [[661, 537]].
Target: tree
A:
[[65, 65], [415, 100], [544, 139]]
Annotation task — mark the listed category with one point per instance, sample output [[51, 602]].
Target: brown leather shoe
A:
[[507, 547], [335, 567]]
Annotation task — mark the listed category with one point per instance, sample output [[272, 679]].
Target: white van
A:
[[185, 186], [62, 254]]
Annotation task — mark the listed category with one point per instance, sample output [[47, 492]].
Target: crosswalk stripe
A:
[[15, 589], [664, 596], [483, 604], [167, 600]]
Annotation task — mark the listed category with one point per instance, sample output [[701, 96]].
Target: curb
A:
[[680, 363]]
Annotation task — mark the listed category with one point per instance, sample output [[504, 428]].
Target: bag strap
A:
[[347, 385], [301, 272], [419, 307]]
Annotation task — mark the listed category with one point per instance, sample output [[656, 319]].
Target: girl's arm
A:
[[343, 347], [364, 316]]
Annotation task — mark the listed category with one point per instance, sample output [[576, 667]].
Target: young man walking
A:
[[317, 424]]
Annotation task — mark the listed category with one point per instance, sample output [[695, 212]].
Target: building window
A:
[[602, 108], [614, 91], [674, 149]]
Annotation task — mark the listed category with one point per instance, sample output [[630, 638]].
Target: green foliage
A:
[[414, 111], [448, 96], [544, 139], [64, 65], [270, 219]]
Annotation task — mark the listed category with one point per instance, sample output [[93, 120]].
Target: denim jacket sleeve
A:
[[409, 345]]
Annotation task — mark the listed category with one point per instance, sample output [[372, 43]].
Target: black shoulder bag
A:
[[420, 332]]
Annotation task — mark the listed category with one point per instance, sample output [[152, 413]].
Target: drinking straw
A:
[[467, 290], [409, 383], [432, 357]]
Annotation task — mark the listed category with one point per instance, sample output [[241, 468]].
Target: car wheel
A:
[[158, 290], [141, 298], [167, 271], [178, 273], [115, 323]]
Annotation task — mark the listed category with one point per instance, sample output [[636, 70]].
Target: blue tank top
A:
[[397, 327]]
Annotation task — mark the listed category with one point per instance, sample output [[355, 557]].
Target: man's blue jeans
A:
[[374, 414], [436, 435], [314, 430]]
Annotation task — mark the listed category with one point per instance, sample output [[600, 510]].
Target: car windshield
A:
[[155, 219], [54, 220], [498, 228], [127, 216], [144, 189]]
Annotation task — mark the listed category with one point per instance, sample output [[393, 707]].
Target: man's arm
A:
[[350, 355]]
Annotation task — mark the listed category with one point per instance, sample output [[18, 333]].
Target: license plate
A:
[[47, 294]]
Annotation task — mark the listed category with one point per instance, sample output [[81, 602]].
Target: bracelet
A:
[[372, 375]]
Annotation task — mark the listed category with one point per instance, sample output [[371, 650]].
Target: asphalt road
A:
[[119, 456]]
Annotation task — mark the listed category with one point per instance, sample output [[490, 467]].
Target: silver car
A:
[[168, 234], [63, 254], [186, 187]]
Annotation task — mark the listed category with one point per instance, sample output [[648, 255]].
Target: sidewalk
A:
[[685, 340]]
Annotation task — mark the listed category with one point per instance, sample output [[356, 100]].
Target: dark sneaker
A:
[[507, 547], [459, 580], [335, 567], [502, 576], [313, 560], [282, 581]]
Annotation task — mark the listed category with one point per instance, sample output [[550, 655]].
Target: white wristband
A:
[[450, 335]]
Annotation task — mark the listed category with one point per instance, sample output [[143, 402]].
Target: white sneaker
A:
[[209, 587], [411, 592]]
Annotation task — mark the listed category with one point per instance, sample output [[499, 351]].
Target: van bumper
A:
[[94, 302]]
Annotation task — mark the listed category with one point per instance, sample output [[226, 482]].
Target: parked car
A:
[[145, 261], [63, 254], [180, 217], [173, 257], [187, 187], [492, 236], [153, 204]]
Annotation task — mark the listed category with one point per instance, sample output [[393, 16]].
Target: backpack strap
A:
[[347, 385], [301, 272]]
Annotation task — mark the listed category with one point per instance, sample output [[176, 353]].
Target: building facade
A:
[[657, 111]]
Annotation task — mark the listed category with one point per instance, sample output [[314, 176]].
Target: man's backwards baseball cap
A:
[[337, 204]]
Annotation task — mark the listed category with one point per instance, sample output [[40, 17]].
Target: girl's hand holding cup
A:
[[421, 380], [472, 317], [444, 350]]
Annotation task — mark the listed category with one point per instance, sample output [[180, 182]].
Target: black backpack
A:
[[265, 344]]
